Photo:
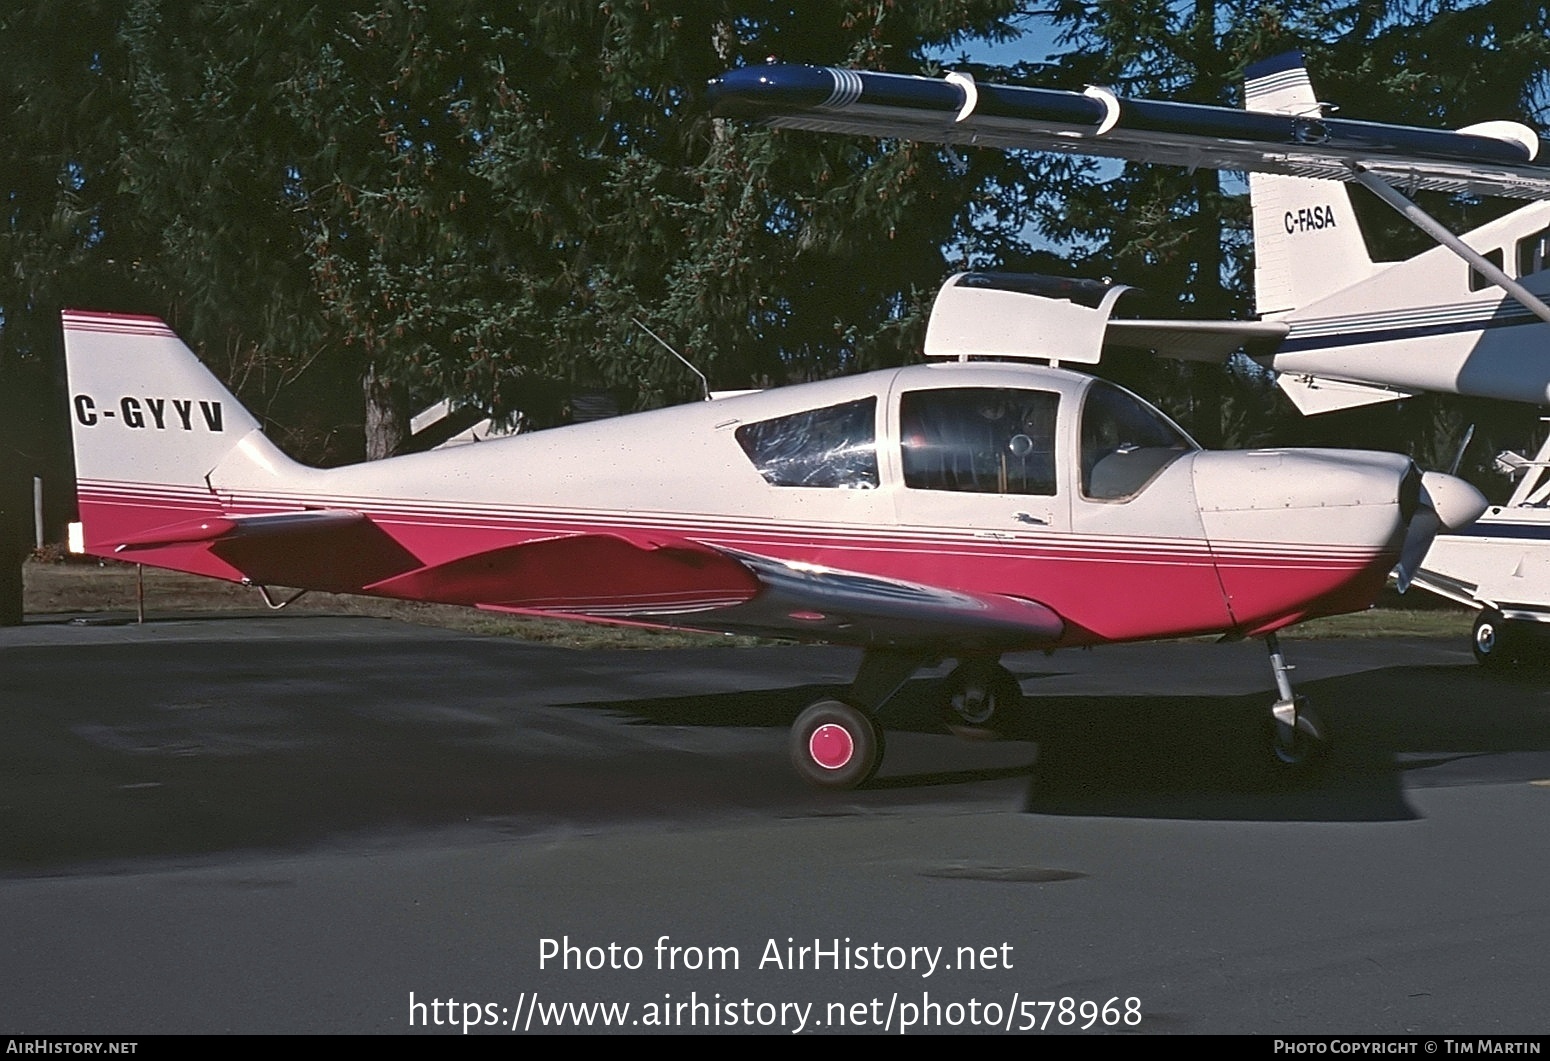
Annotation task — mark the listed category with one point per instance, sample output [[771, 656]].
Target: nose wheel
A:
[[1298, 736], [1298, 739], [835, 745], [1494, 644]]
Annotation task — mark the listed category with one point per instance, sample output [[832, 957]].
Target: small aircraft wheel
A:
[[982, 698], [834, 745], [1298, 739], [1493, 640]]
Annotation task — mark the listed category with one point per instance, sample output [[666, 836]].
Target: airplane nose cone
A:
[[1456, 503], [1446, 502]]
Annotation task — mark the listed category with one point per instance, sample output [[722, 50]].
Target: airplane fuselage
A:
[[1000, 480], [1429, 323]]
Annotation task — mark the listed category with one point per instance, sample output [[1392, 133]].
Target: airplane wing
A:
[[1495, 158], [661, 580], [678, 582], [851, 608], [591, 575]]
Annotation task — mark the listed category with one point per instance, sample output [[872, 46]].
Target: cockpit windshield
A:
[[1125, 443]]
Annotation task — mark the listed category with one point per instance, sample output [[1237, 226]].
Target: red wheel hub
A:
[[831, 746]]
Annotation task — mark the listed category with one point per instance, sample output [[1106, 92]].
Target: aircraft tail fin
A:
[[1307, 243], [151, 426]]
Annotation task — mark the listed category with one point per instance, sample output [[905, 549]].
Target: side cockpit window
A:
[[834, 447], [1125, 443], [985, 440]]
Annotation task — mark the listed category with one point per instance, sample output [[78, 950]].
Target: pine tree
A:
[[474, 200]]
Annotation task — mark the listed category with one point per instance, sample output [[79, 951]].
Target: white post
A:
[[37, 510]]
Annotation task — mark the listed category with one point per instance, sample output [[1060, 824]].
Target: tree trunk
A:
[[387, 415]]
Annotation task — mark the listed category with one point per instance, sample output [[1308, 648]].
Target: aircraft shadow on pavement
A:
[[1209, 757], [124, 754]]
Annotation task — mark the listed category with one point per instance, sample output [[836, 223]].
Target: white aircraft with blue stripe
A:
[[1362, 331]]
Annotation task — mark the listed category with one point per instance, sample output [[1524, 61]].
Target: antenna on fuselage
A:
[[704, 383]]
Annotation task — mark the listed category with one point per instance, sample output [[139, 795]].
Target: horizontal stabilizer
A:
[[217, 528], [1313, 395], [1509, 463], [1211, 341]]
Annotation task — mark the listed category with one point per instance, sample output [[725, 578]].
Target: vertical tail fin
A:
[[1307, 243], [150, 424]]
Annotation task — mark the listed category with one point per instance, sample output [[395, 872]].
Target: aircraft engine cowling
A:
[[1301, 533]]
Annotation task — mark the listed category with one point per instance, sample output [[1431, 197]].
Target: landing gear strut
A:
[[1298, 738]]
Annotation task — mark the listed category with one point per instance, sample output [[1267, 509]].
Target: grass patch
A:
[[109, 586], [1455, 621]]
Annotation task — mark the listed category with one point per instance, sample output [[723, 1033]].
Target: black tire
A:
[[1305, 748], [1493, 640], [835, 745], [981, 698]]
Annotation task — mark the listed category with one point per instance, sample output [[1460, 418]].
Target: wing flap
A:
[[1314, 395]]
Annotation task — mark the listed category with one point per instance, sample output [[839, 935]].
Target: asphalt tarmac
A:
[[313, 824]]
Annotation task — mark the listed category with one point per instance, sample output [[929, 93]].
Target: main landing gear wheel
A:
[[835, 745], [982, 698], [1493, 640]]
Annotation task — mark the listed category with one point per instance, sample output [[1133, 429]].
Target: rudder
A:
[[149, 423], [1307, 243]]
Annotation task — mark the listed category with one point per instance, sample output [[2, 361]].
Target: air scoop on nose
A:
[[1445, 502]]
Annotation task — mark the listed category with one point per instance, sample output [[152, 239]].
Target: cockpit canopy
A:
[[991, 440]]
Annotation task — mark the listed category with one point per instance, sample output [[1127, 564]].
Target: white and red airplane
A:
[[957, 510], [1340, 330]]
